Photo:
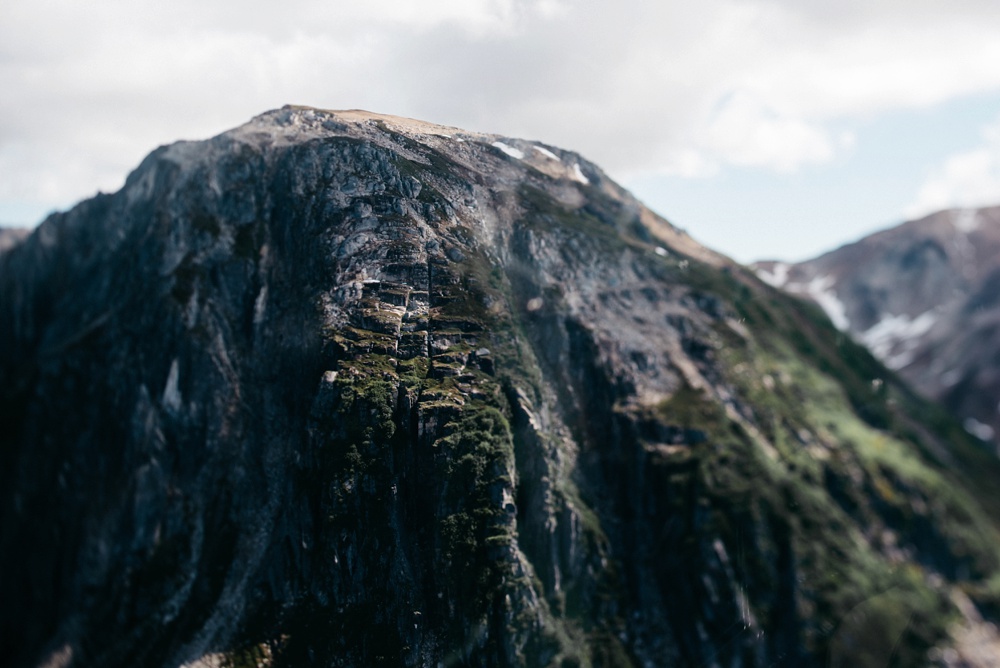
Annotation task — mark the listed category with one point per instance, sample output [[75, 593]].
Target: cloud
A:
[[966, 179], [746, 132], [682, 88]]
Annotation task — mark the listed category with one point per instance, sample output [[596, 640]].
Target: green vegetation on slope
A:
[[878, 501]]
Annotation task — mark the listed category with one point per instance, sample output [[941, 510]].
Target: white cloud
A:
[[689, 164], [675, 87], [746, 132], [967, 179]]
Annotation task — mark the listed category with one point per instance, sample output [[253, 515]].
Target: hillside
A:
[[925, 298]]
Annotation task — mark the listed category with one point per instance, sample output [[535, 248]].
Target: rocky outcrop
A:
[[923, 297], [343, 389]]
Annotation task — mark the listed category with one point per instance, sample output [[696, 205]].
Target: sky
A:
[[765, 128]]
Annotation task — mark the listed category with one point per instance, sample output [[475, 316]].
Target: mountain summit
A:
[[341, 389]]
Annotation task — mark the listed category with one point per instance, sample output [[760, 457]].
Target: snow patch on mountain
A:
[[777, 276], [965, 220], [894, 338], [820, 289], [509, 150], [547, 153]]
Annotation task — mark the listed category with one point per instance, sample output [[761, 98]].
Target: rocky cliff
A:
[[342, 389], [925, 298]]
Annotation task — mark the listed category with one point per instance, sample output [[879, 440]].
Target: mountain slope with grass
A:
[[923, 296], [342, 389]]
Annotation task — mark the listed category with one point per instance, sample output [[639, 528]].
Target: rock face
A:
[[340, 389], [925, 298]]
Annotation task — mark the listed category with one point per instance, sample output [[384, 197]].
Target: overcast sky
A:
[[777, 128]]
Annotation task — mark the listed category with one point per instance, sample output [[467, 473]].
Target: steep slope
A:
[[925, 298], [343, 389]]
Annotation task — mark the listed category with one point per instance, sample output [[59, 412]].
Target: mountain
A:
[[342, 389], [11, 236], [925, 298]]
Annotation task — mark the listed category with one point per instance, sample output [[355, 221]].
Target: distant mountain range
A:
[[925, 298]]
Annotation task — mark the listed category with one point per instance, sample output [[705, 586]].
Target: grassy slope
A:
[[882, 487]]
